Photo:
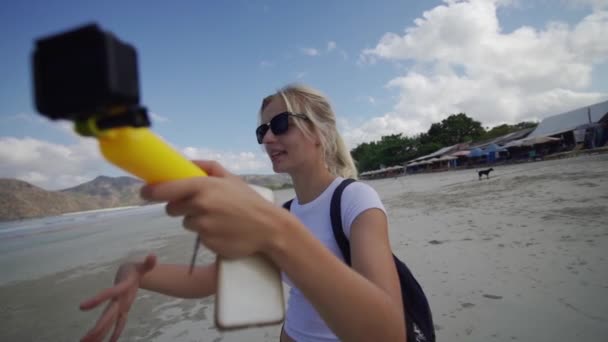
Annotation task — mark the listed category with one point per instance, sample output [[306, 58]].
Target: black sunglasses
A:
[[278, 125]]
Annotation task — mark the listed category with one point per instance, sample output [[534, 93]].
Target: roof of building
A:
[[440, 152], [570, 120], [503, 139]]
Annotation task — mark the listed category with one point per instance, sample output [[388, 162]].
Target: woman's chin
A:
[[279, 167]]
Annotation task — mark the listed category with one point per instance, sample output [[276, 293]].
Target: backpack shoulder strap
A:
[[287, 205], [336, 219]]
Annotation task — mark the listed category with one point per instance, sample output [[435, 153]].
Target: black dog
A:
[[485, 172]]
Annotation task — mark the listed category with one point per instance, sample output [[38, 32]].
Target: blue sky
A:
[[388, 67]]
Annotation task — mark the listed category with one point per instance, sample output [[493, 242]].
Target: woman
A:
[[329, 300]]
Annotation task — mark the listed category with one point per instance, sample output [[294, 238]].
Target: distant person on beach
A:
[[329, 301]]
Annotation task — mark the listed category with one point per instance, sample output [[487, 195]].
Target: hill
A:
[[21, 200]]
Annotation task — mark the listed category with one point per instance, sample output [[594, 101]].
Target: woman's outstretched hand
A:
[[230, 217], [119, 299]]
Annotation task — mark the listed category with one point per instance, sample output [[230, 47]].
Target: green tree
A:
[[456, 128], [366, 156], [396, 149]]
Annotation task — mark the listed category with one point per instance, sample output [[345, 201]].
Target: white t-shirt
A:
[[302, 322]]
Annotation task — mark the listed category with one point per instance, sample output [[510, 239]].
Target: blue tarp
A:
[[494, 148], [477, 152]]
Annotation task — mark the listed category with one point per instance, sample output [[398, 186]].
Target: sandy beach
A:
[[522, 256]]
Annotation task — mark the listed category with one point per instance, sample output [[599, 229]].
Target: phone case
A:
[[250, 290]]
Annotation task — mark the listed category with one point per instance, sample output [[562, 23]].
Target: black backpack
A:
[[418, 317]]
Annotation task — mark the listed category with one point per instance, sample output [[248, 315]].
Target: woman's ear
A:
[[317, 138]]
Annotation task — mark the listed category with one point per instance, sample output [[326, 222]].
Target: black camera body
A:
[[84, 72]]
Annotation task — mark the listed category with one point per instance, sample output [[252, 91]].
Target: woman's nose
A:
[[269, 137]]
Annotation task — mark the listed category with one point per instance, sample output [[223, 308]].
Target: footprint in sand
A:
[[492, 296], [435, 242], [467, 305]]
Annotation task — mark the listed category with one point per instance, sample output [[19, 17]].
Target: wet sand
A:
[[522, 256]]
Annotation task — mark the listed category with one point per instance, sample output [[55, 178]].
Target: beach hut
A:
[[477, 156], [570, 127], [493, 152]]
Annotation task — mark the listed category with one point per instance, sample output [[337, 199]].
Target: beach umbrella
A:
[[494, 148]]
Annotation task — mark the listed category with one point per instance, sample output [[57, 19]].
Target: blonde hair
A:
[[301, 99]]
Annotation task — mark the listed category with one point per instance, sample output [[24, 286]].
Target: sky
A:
[[388, 67]]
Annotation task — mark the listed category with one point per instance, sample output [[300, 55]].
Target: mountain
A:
[[20, 200], [110, 191], [274, 181]]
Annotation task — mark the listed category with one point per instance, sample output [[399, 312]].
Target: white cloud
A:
[[266, 64], [595, 4], [55, 166], [49, 165], [235, 162], [390, 123], [158, 118], [344, 54], [331, 45], [40, 123], [310, 51], [300, 75], [463, 62], [24, 117]]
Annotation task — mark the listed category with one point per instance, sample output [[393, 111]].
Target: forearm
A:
[[174, 280], [352, 306]]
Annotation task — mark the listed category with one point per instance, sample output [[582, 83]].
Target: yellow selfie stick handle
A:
[[142, 153]]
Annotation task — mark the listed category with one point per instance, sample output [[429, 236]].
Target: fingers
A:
[[119, 327], [212, 168], [147, 265], [180, 208], [105, 295], [103, 325], [200, 224], [171, 190]]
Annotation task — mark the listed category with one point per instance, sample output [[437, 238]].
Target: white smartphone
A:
[[249, 290]]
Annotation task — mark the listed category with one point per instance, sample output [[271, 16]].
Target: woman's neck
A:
[[309, 184]]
